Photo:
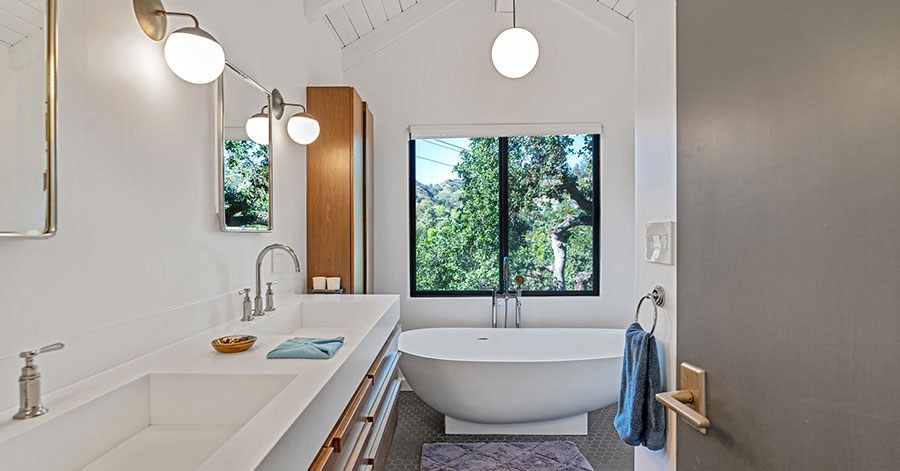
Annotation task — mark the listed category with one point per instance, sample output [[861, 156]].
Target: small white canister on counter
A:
[[319, 282], [334, 283]]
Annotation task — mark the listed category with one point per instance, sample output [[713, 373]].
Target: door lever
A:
[[690, 401]]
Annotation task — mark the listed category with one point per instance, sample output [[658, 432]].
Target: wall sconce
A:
[[192, 53], [258, 127], [302, 127]]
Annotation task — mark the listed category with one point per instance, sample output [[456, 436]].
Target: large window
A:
[[531, 200]]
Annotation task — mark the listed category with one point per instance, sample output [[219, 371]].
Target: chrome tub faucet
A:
[[30, 384]]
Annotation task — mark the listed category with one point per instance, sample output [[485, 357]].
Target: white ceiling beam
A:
[[600, 14], [316, 9], [386, 34]]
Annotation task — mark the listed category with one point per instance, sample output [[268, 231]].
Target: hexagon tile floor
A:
[[420, 424]]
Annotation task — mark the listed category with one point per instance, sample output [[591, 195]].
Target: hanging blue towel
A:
[[305, 347], [641, 419]]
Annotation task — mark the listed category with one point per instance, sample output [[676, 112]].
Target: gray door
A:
[[789, 231]]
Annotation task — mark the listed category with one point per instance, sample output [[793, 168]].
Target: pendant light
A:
[[191, 53], [258, 127], [515, 51]]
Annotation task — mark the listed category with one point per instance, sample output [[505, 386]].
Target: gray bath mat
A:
[[533, 456]]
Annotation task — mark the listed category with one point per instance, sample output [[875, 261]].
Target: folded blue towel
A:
[[304, 347], [641, 419]]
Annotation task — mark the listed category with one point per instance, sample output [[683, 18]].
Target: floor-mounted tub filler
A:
[[514, 381]]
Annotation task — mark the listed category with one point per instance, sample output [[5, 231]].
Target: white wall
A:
[[23, 156], [441, 73], [655, 183], [9, 138], [138, 257]]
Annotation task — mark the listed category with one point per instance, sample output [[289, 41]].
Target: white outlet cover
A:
[[659, 242], [279, 258]]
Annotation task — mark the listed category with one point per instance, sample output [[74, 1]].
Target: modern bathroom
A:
[[449, 235]]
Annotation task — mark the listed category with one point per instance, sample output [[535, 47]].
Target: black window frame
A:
[[503, 196]]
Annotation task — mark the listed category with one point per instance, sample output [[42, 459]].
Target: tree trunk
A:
[[559, 239]]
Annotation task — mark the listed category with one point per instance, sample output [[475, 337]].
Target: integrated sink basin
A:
[[311, 319], [158, 421]]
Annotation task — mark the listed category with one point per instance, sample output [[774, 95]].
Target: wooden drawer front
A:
[[385, 425], [382, 384], [353, 415], [389, 346]]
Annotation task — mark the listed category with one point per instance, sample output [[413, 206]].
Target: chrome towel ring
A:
[[658, 296]]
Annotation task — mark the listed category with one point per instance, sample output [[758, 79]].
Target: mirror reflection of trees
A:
[[551, 217], [246, 184]]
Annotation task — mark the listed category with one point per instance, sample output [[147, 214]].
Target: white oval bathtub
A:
[[517, 381]]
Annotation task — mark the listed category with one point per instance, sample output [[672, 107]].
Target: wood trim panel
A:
[[329, 197]]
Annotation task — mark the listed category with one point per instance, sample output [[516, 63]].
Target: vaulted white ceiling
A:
[[20, 19], [363, 27]]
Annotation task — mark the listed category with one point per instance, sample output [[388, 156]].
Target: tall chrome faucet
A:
[[505, 284], [258, 309]]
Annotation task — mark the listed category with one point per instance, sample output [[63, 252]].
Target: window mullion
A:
[[504, 207]]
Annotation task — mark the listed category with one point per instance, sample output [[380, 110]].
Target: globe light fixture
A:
[[194, 55], [302, 127], [515, 51], [258, 127], [191, 53]]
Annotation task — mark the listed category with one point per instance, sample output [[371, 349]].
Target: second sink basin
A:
[[158, 421]]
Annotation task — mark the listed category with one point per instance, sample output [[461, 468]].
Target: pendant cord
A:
[[514, 13]]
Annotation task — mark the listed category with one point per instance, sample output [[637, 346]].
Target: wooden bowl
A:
[[233, 343]]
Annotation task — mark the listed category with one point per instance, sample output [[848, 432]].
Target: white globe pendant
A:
[[258, 128], [194, 55], [515, 52]]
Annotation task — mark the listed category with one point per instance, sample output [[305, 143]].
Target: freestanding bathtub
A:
[[514, 381]]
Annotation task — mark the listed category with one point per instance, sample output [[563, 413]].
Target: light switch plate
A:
[[279, 259], [659, 242]]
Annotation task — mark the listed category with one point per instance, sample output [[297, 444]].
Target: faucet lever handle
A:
[[28, 355], [245, 293], [269, 285]]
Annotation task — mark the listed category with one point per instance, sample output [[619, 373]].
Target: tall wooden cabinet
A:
[[339, 194]]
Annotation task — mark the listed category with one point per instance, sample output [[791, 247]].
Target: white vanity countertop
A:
[[247, 448]]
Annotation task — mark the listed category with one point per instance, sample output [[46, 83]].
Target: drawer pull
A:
[[339, 434], [356, 455], [322, 459], [383, 354], [381, 422], [385, 385]]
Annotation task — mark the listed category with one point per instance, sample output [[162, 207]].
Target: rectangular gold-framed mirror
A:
[[244, 164], [27, 118]]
